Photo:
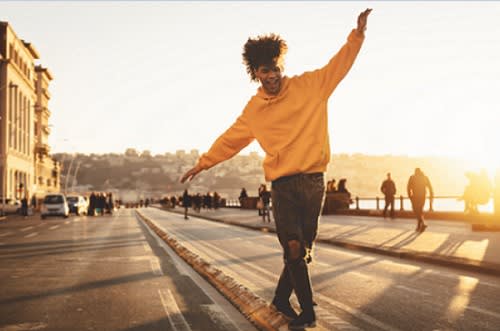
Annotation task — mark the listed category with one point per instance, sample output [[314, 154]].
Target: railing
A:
[[401, 203]]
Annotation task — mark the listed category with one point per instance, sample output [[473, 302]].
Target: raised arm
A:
[[327, 78]]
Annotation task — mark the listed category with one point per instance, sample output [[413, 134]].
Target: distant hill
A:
[[159, 175]]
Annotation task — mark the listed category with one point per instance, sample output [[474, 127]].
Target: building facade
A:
[[26, 168]]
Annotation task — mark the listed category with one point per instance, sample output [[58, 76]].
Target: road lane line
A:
[[54, 227], [147, 248], [31, 235], [484, 311], [6, 234], [155, 266], [174, 314], [27, 228], [412, 290]]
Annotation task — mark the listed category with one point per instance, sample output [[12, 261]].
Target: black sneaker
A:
[[305, 320], [285, 308]]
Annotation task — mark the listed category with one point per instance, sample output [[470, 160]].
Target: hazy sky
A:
[[164, 76]]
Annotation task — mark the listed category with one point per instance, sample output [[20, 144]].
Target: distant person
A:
[[186, 203], [260, 202], [343, 186], [92, 204], [243, 196], [388, 188], [288, 117], [173, 201], [331, 186], [33, 202], [24, 206], [417, 187], [266, 201], [110, 203]]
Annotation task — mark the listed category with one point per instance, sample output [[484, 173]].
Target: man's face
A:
[[270, 78]]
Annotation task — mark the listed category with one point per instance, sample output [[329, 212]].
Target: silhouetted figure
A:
[[243, 196], [417, 187], [110, 204], [331, 186], [147, 202], [92, 204], [388, 188], [173, 201], [266, 201], [197, 202], [288, 117], [24, 206], [186, 203], [477, 192]]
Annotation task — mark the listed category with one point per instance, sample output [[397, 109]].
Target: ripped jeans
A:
[[297, 204]]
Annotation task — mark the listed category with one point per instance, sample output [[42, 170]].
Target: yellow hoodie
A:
[[291, 127]]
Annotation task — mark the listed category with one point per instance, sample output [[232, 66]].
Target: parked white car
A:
[[77, 204], [11, 206], [54, 204]]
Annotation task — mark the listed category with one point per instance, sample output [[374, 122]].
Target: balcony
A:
[[42, 149]]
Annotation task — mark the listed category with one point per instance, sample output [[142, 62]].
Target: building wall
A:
[[18, 98]]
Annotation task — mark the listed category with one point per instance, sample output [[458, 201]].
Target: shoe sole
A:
[[302, 327]]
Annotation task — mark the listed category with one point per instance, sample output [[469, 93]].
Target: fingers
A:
[[190, 174]]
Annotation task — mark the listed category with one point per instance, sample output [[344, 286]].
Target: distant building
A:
[[25, 166], [180, 153]]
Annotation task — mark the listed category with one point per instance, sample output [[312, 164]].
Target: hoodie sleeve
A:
[[237, 137], [327, 78]]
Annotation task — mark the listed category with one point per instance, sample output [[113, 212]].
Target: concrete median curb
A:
[[254, 308], [441, 260]]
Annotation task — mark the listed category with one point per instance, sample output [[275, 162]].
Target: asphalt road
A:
[[354, 290], [101, 273]]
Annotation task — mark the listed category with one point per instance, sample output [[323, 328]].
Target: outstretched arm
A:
[[226, 146]]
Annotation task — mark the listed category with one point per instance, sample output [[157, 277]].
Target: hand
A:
[[362, 18], [191, 174]]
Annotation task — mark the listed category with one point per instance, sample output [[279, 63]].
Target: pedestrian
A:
[[388, 188], [243, 196], [417, 187], [265, 195], [288, 117], [186, 203]]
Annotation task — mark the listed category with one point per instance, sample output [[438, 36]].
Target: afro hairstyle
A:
[[263, 50]]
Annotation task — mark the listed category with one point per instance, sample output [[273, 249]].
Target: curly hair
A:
[[263, 50]]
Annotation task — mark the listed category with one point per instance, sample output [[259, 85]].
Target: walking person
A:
[[417, 187], [186, 203], [265, 195], [288, 117], [388, 188]]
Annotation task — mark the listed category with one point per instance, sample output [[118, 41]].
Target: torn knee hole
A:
[[294, 249]]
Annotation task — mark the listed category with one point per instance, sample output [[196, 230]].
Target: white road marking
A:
[[66, 222], [412, 290], [24, 327], [174, 314], [219, 317], [33, 234], [6, 234], [54, 227], [147, 248], [155, 266], [484, 311], [27, 228]]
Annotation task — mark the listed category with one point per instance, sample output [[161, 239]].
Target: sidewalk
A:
[[446, 243]]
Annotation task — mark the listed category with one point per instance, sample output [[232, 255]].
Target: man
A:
[[417, 186], [288, 117], [388, 188]]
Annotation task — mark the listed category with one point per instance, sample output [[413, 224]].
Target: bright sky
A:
[[163, 76]]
